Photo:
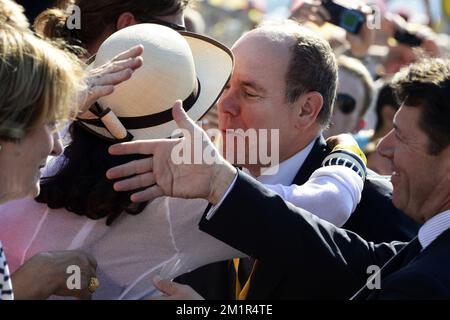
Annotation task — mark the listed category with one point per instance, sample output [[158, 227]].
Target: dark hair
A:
[[81, 185], [98, 15], [313, 67], [426, 84], [385, 97]]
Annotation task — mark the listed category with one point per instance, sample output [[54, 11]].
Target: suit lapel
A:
[[314, 161], [401, 259]]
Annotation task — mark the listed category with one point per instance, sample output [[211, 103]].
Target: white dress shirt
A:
[[288, 169], [433, 228], [336, 185]]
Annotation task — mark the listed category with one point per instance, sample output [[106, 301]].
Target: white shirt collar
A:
[[433, 228], [288, 169]]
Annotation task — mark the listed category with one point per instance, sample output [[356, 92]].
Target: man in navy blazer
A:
[[311, 252], [267, 70]]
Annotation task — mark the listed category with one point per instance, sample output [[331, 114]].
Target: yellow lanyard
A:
[[446, 7], [241, 293]]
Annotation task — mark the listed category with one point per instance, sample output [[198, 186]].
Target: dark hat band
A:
[[152, 120]]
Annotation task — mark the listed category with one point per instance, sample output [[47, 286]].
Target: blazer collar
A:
[[404, 257], [314, 161]]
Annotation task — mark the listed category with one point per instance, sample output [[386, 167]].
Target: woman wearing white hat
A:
[[78, 207]]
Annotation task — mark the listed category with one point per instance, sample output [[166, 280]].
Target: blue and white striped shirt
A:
[[433, 228]]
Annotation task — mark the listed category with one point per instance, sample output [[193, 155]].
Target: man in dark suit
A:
[[266, 66], [310, 253], [375, 219]]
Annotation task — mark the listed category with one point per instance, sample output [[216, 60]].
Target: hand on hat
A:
[[100, 81], [159, 175]]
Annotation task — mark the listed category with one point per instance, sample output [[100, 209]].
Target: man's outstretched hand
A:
[[163, 173]]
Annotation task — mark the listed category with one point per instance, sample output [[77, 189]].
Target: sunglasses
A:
[[154, 20], [345, 103]]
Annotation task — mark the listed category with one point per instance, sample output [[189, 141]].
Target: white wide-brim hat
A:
[[177, 66]]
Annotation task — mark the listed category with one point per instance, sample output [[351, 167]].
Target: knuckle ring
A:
[[93, 284]]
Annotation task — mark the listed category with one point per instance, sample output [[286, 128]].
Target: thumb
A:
[[165, 286], [181, 117]]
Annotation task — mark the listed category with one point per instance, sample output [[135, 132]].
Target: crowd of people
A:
[[91, 118]]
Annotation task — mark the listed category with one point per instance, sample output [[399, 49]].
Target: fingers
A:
[[341, 139], [148, 147], [135, 147], [130, 53], [165, 286], [101, 81], [131, 63], [114, 73], [174, 291], [182, 119], [84, 295], [100, 91], [137, 182], [148, 194], [92, 261], [114, 78], [131, 168], [87, 273]]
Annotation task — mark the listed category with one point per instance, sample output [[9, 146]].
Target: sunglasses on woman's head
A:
[[345, 103]]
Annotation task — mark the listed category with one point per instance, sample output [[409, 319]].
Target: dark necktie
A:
[[244, 269]]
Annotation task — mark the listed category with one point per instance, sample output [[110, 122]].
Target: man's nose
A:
[[228, 103], [386, 145]]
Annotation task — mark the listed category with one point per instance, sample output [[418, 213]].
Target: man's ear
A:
[[308, 108], [126, 19]]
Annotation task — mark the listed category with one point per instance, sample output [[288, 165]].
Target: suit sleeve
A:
[[258, 222]]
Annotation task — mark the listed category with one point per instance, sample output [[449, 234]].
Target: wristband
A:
[[353, 148], [347, 159]]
